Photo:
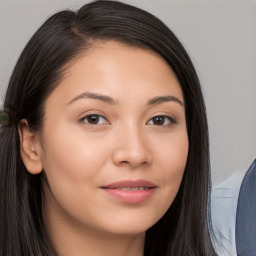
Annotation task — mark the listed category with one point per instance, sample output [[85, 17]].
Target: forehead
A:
[[113, 67]]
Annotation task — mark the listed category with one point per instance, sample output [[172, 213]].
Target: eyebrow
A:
[[162, 99], [111, 101], [95, 96]]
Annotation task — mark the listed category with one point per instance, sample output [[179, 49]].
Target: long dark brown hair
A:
[[184, 229]]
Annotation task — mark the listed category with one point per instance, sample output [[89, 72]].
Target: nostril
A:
[[124, 162], [132, 163]]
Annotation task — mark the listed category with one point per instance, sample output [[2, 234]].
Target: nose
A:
[[132, 149]]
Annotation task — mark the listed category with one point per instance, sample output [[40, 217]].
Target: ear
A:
[[29, 148]]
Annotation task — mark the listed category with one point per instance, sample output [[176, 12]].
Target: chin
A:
[[131, 227]]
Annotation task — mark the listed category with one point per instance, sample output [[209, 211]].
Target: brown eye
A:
[[161, 120], [158, 120], [95, 119]]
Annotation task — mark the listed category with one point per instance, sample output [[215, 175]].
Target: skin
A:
[[127, 142]]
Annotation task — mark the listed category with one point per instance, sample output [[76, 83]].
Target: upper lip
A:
[[130, 183]]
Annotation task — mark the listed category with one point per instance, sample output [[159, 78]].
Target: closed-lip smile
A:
[[131, 191]]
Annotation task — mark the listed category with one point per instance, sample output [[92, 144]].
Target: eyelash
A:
[[169, 119], [98, 117]]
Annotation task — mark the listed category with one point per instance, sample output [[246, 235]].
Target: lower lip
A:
[[132, 197]]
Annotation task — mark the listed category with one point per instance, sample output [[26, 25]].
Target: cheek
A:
[[71, 161], [68, 146], [173, 153], [71, 167], [172, 162]]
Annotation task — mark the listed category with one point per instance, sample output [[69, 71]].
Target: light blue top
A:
[[224, 204]]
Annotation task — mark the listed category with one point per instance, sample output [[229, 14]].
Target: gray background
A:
[[220, 37]]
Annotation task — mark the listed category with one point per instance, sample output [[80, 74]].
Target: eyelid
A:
[[169, 117], [82, 120]]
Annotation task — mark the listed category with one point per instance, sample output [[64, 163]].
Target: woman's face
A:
[[114, 142]]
